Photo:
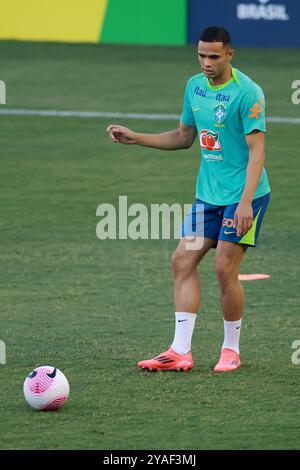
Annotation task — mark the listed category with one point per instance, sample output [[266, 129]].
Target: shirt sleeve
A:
[[252, 110], [187, 116]]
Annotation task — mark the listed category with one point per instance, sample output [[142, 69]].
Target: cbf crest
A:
[[220, 114]]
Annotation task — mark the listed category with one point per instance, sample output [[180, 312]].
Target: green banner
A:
[[157, 22]]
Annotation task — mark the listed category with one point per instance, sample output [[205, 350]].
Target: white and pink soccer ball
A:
[[46, 388]]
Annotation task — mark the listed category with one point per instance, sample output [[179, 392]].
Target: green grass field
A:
[[94, 308]]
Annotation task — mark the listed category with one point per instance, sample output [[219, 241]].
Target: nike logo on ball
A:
[[52, 374]]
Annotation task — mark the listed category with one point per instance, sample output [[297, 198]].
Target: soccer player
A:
[[226, 109]]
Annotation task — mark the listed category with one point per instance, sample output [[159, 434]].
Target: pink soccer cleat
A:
[[169, 360], [229, 360]]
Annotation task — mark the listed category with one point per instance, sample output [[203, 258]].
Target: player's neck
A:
[[221, 79]]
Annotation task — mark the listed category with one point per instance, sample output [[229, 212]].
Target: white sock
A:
[[184, 327], [232, 330]]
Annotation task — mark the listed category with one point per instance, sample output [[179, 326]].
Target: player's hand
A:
[[243, 218], [121, 134]]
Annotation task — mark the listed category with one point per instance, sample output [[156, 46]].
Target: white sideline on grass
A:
[[112, 115]]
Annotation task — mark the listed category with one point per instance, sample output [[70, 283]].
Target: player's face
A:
[[214, 58]]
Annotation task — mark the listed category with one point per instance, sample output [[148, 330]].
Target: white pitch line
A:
[[112, 115], [88, 114], [284, 120]]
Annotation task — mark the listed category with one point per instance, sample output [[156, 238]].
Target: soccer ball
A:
[[46, 388]]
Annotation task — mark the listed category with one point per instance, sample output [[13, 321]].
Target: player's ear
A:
[[230, 53]]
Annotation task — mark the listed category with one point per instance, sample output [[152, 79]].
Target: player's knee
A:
[[180, 263], [176, 261], [225, 270]]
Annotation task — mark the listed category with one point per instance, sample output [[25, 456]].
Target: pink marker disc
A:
[[252, 277]]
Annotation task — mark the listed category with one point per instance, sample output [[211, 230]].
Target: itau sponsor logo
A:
[[262, 10], [200, 92], [222, 97]]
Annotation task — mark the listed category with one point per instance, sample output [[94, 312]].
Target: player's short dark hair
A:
[[216, 34]]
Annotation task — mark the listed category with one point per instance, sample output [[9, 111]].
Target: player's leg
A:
[[187, 291], [228, 260], [229, 254], [187, 301], [200, 232], [187, 295]]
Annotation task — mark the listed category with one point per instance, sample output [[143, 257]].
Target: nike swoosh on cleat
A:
[[180, 321]]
